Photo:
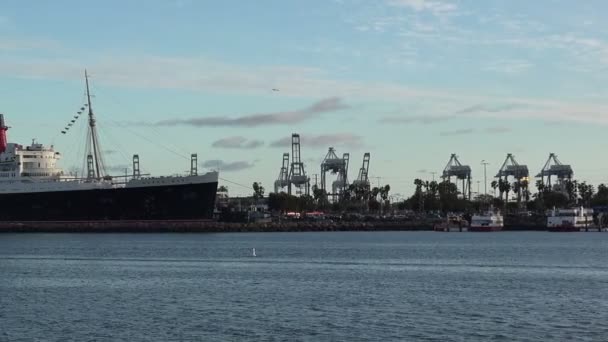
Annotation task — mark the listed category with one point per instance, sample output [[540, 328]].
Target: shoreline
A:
[[206, 226]]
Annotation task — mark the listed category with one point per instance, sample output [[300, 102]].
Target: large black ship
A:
[[34, 188]]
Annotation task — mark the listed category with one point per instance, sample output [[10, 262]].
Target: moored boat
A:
[[570, 220], [489, 221]]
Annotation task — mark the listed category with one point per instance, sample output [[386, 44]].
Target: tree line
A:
[[442, 196], [355, 198]]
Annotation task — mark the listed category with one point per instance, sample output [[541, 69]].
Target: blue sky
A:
[[410, 81]]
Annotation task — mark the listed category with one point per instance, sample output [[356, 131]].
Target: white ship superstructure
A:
[[574, 219], [34, 168], [490, 221]]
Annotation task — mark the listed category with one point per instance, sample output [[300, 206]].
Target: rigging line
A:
[[170, 148], [80, 153], [87, 151], [118, 124], [58, 133], [157, 132], [69, 149], [116, 144], [73, 140], [235, 183], [122, 125]]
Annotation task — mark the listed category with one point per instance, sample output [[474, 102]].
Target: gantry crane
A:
[[454, 168], [554, 168], [297, 174], [282, 181], [520, 173], [341, 183], [363, 177]]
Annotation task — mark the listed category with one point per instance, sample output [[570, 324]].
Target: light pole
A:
[[485, 177], [433, 173]]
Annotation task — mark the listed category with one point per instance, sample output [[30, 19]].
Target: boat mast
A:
[[97, 160]]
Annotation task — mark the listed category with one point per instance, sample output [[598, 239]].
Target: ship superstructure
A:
[[566, 220], [489, 221]]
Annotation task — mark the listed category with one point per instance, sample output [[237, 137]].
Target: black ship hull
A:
[[168, 202]]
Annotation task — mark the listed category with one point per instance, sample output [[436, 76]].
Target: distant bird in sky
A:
[[275, 89]]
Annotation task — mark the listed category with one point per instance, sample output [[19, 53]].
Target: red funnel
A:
[[3, 140]]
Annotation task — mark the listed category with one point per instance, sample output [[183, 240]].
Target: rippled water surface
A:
[[304, 287]]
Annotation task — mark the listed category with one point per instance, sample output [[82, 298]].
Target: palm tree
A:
[[586, 192], [540, 186], [419, 183], [517, 190], [507, 189], [375, 192], [494, 185], [385, 192], [258, 191], [384, 195], [501, 188], [525, 185], [320, 196], [433, 188], [504, 187], [570, 188]]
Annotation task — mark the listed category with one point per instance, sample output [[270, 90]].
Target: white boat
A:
[[489, 221], [570, 220]]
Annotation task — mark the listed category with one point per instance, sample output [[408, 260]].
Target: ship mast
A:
[[95, 157]]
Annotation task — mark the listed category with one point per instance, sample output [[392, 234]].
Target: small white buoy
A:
[[253, 252]]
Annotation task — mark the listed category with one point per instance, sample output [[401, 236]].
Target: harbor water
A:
[[334, 286]]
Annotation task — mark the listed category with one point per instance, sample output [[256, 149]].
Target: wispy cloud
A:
[[237, 142], [456, 132], [203, 75], [508, 66], [497, 129], [470, 131], [195, 74], [416, 119], [14, 44], [323, 140], [588, 51], [228, 166], [470, 110], [262, 119], [433, 6], [182, 3], [492, 108]]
